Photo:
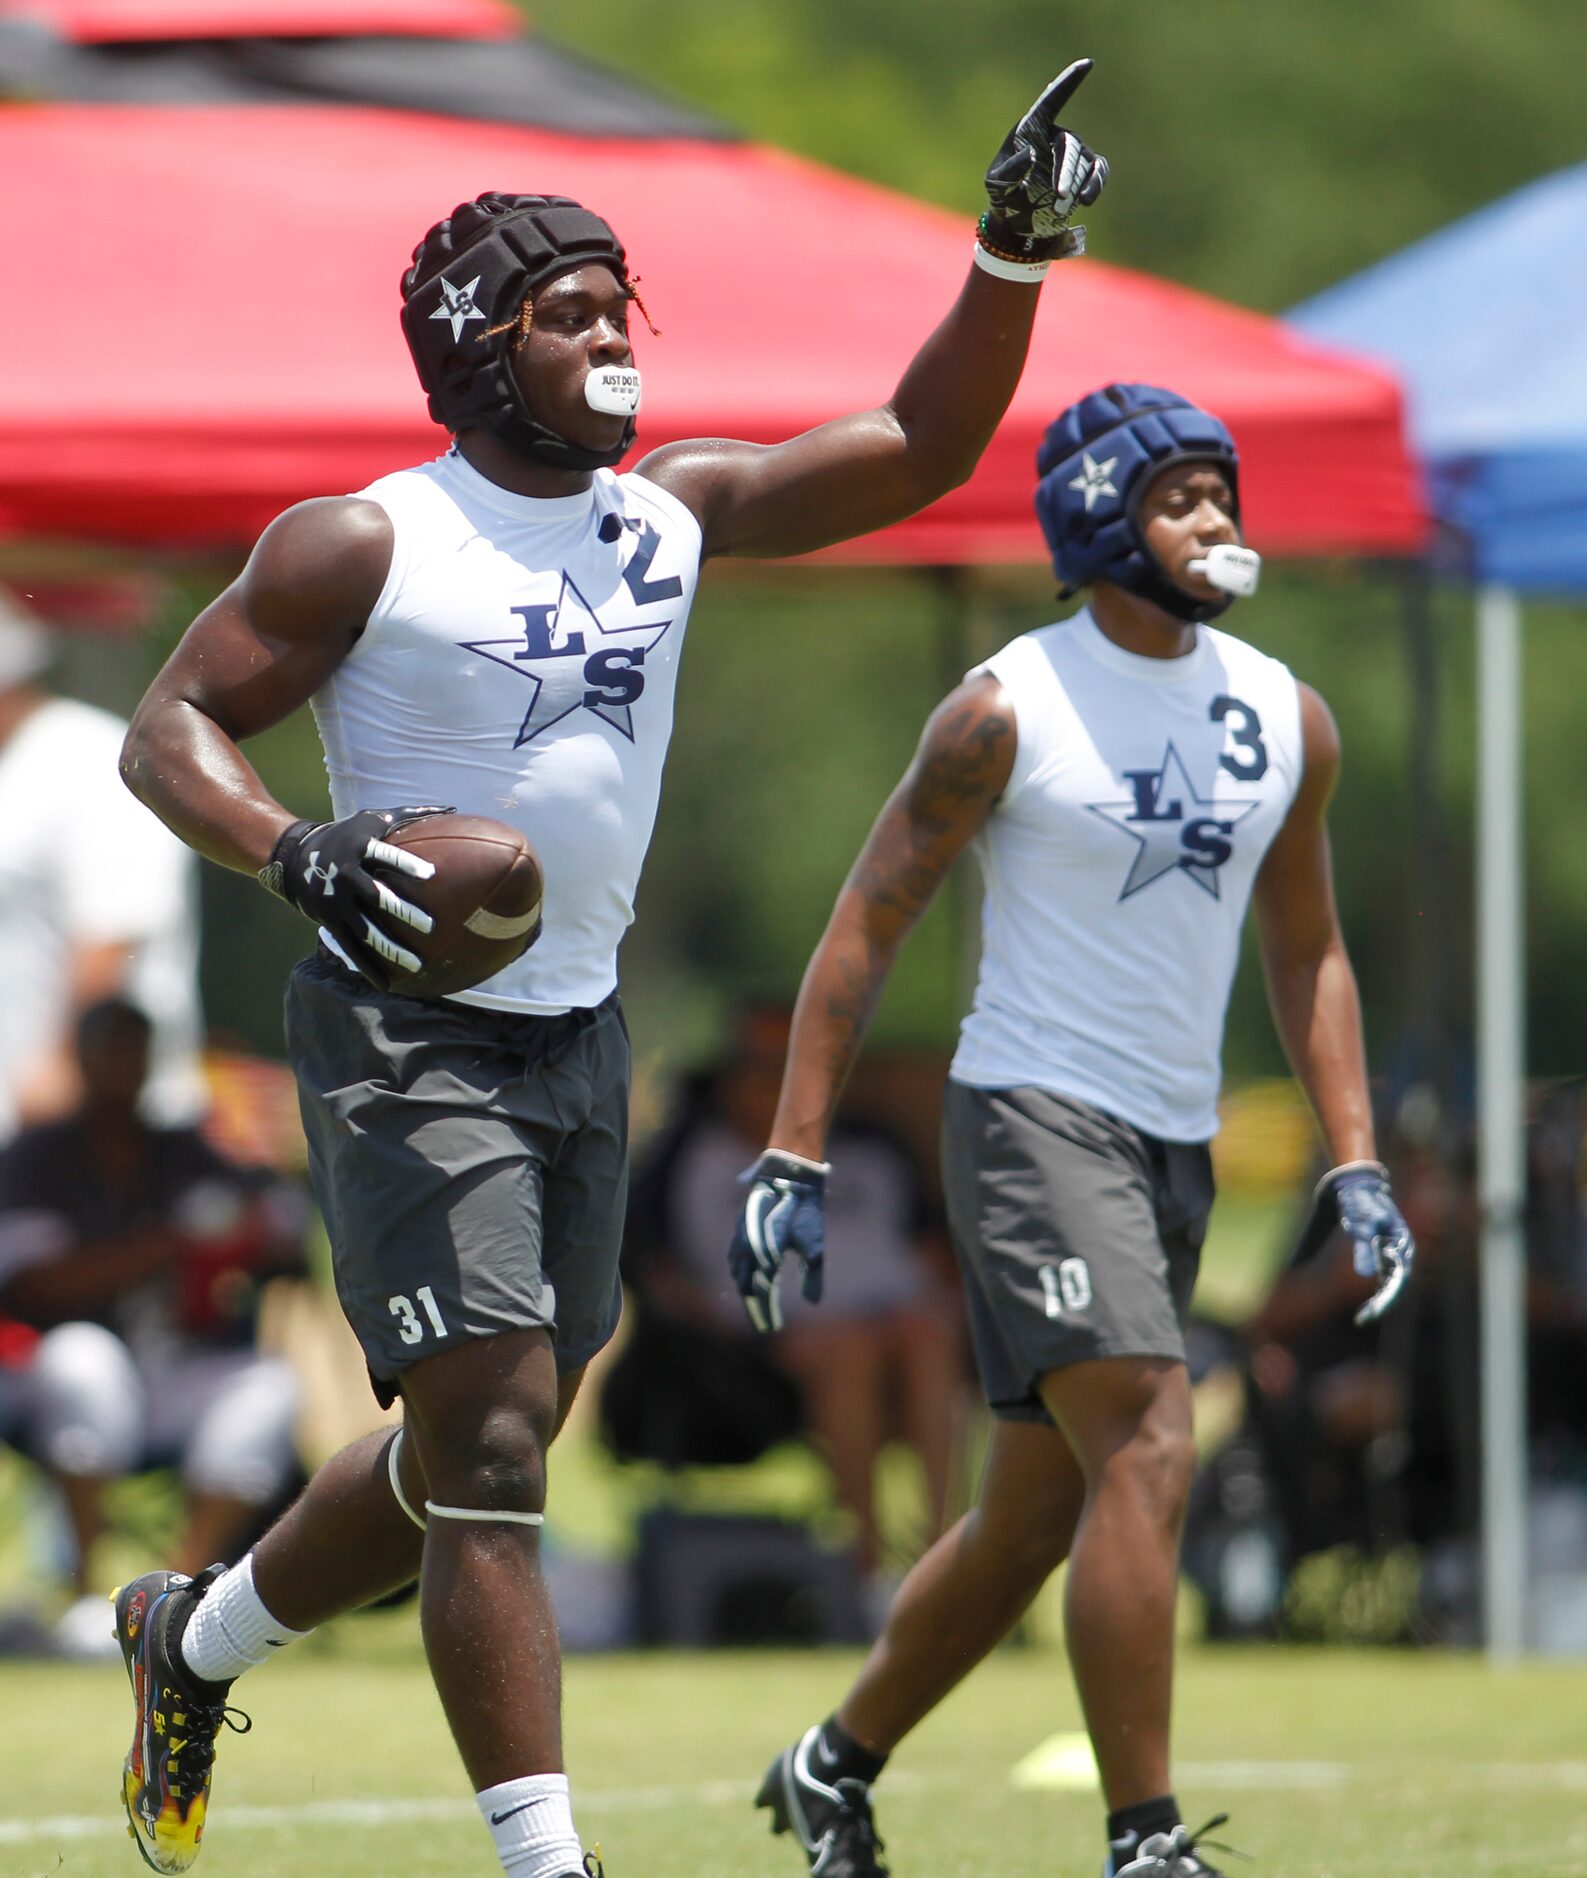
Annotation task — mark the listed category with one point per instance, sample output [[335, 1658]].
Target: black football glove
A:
[[784, 1211], [327, 871], [1041, 174], [1355, 1199]]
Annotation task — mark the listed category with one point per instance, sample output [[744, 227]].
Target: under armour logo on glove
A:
[[784, 1211], [1041, 174], [337, 883]]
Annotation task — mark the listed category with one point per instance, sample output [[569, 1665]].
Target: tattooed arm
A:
[[962, 766]]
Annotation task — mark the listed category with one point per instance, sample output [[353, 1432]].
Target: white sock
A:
[[231, 1630], [531, 1822]]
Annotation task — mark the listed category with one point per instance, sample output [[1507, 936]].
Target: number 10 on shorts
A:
[[409, 1328], [1066, 1286]]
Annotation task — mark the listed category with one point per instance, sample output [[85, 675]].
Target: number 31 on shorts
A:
[[408, 1327]]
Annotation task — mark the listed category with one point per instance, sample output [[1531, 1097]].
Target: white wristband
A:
[[1032, 272], [1350, 1167]]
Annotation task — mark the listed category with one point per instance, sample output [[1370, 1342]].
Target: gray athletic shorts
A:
[[1077, 1235], [472, 1165]]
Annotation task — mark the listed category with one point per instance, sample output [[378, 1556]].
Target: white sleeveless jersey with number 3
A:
[[520, 663], [1119, 864]]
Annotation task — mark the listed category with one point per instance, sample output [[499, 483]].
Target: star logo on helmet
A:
[[1095, 479], [457, 305]]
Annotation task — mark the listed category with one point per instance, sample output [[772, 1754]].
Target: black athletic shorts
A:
[[471, 1165], [1077, 1235]]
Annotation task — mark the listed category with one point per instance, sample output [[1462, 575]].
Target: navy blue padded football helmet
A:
[[1094, 465]]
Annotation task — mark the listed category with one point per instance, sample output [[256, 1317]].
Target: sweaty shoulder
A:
[[321, 564]]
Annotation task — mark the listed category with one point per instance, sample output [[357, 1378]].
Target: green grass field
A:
[[1333, 1765]]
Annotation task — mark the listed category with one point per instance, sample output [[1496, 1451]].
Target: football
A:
[[484, 898]]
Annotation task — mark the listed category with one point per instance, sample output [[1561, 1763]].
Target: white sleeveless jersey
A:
[[521, 663], [1119, 864]]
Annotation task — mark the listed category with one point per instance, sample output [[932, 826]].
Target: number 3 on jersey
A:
[[408, 1326], [1248, 763]]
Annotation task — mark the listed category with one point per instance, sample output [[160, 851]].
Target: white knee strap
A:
[[467, 1512], [393, 1450]]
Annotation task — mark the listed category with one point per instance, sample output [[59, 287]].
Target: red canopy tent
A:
[[99, 22], [202, 325]]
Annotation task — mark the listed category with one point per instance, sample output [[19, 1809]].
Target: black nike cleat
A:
[[1171, 1855], [165, 1780], [832, 1821]]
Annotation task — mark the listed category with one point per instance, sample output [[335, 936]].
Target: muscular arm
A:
[[864, 472], [962, 766], [1310, 985], [250, 659]]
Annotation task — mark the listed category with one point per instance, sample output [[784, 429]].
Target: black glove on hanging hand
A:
[[1355, 1199], [1039, 177], [326, 870]]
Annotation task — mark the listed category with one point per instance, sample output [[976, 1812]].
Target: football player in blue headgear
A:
[[1139, 487], [1132, 779]]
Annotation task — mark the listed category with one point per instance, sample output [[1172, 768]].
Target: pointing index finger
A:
[[1046, 108]]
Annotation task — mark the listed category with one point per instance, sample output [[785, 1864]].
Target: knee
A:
[[498, 1467], [1159, 1461]]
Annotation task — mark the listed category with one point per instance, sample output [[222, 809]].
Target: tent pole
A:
[[1501, 1120]]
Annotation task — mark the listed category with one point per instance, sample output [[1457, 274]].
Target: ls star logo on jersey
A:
[[572, 658], [1175, 829]]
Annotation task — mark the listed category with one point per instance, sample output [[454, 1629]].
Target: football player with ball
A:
[[495, 633]]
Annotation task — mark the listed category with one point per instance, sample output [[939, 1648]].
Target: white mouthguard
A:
[[613, 389], [1231, 570]]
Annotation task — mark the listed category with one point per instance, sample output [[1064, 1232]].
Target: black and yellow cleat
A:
[[165, 1781]]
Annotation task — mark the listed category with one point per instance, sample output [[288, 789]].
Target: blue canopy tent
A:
[[1485, 324]]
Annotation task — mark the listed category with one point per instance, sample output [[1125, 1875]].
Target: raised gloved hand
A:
[[327, 870], [784, 1211], [1355, 1199], [1041, 174]]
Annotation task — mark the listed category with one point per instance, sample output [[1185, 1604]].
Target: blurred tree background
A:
[[1260, 153]]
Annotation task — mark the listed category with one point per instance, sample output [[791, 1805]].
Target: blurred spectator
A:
[[130, 1263], [96, 896], [1371, 1438], [880, 1358]]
